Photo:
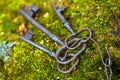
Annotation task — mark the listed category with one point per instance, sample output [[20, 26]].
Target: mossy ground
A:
[[30, 63]]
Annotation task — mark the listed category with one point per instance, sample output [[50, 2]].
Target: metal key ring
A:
[[71, 68], [81, 40], [58, 58]]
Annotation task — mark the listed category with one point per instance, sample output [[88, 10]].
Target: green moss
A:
[[29, 63]]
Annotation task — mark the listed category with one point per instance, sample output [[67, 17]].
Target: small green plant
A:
[[5, 51]]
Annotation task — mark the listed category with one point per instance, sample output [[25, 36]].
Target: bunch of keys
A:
[[72, 42], [64, 46]]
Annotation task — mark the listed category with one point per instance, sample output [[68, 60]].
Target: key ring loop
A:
[[78, 40], [58, 58], [71, 68]]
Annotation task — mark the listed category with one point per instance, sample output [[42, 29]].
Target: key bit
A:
[[34, 8], [28, 34], [31, 10], [59, 10]]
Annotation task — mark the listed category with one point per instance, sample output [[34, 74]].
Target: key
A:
[[27, 38], [40, 27]]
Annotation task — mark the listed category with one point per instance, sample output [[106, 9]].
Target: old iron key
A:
[[40, 27], [31, 11], [27, 38]]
